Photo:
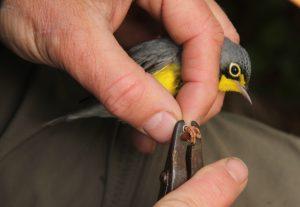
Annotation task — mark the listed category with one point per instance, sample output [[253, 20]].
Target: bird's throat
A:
[[226, 84]]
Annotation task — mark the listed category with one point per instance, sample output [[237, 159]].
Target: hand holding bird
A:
[[79, 38]]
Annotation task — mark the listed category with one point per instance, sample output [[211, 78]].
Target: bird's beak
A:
[[227, 84], [243, 91]]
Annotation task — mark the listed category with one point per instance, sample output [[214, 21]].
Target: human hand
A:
[[78, 36], [218, 184]]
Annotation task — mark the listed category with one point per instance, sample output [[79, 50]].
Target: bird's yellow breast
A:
[[169, 77]]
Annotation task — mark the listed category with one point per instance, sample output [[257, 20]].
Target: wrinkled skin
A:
[[77, 36]]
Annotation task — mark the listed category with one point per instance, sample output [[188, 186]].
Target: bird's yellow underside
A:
[[169, 78]]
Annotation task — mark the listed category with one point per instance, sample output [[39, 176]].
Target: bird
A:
[[161, 58]]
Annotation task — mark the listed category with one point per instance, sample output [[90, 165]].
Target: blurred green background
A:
[[270, 31]]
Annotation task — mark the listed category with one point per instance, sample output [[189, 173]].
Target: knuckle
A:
[[69, 48], [121, 96]]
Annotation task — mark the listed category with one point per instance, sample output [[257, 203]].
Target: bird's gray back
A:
[[155, 54]]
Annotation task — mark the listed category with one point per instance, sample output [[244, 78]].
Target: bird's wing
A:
[[155, 54], [96, 110], [151, 55]]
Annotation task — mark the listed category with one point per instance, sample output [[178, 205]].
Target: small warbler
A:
[[162, 58]]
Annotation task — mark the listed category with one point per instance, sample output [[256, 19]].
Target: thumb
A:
[[100, 64], [218, 184]]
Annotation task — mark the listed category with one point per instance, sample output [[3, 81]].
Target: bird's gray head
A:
[[235, 68]]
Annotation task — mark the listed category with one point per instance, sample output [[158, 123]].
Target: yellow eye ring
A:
[[234, 70]]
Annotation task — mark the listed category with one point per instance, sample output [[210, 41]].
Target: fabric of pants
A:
[[92, 162]]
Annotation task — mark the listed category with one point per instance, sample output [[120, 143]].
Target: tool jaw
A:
[[184, 158]]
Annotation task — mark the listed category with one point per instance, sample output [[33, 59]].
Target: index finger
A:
[[192, 24]]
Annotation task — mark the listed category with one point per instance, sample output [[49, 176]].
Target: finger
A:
[[203, 75], [218, 184], [101, 65], [202, 39], [228, 28], [142, 142], [215, 109], [192, 24]]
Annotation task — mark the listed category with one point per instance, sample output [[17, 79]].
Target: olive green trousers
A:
[[92, 163]]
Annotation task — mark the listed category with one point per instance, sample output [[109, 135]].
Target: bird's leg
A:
[[191, 133]]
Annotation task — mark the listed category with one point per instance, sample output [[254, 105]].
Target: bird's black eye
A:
[[234, 70]]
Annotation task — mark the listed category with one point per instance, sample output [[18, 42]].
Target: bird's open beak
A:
[[243, 91]]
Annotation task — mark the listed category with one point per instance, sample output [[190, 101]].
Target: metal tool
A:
[[184, 157]]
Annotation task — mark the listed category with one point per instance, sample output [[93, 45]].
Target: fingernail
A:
[[237, 169], [160, 126]]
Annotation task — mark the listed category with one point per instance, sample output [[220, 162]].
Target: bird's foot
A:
[[191, 133]]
